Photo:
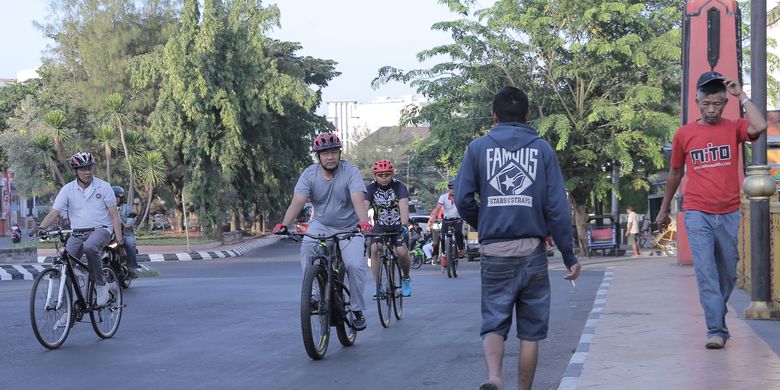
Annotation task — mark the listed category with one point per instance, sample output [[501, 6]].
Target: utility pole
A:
[[758, 184]]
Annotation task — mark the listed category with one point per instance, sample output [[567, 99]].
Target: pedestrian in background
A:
[[517, 177], [632, 229], [707, 151]]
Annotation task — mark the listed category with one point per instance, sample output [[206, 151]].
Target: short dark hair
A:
[[510, 105]]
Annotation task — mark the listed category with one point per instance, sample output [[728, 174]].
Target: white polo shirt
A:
[[450, 211], [86, 207]]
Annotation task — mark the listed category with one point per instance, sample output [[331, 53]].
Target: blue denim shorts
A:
[[519, 283]]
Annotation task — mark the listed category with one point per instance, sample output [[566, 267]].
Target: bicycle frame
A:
[[329, 250], [65, 260]]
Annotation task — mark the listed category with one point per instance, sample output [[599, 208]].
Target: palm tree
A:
[[105, 135], [151, 172], [115, 106], [56, 120], [135, 143], [43, 144]]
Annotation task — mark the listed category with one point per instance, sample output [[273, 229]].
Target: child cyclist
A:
[[389, 199]]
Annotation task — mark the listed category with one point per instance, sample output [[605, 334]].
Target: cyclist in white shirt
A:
[[451, 216], [91, 207]]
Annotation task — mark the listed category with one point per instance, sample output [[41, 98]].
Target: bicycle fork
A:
[[60, 289]]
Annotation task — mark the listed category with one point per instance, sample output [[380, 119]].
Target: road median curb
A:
[[29, 271]]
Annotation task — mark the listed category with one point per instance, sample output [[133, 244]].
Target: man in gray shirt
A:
[[91, 208], [336, 191]]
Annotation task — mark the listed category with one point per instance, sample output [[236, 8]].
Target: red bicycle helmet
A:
[[326, 141], [382, 166]]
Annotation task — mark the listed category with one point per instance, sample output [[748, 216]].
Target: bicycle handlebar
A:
[[322, 237]]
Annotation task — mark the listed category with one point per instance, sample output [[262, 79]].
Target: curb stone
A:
[[30, 271]]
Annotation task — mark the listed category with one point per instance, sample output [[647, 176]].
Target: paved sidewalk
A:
[[647, 331], [150, 253]]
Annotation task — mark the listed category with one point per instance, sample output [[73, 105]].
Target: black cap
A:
[[707, 77]]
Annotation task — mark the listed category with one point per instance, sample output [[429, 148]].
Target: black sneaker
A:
[[359, 322]]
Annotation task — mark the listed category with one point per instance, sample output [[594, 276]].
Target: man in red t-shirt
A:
[[707, 150]]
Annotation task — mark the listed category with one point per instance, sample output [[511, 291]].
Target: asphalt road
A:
[[234, 324]]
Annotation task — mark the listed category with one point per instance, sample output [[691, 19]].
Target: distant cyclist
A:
[[91, 207], [389, 198], [451, 218], [337, 192]]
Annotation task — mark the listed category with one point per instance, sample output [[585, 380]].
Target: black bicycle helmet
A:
[[451, 183], [119, 191]]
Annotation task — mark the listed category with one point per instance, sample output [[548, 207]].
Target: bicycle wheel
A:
[[384, 292], [346, 333], [105, 319], [398, 297], [51, 322], [450, 255], [315, 315]]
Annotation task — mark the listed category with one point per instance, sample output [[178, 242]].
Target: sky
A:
[[361, 35]]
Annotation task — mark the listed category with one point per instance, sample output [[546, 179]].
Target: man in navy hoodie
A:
[[522, 199]]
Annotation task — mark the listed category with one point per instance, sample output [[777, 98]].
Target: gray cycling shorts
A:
[[521, 284]]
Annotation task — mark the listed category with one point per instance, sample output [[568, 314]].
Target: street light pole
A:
[[758, 184]]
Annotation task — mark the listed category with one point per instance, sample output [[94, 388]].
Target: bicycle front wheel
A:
[[105, 319], [50, 316], [344, 330], [450, 255], [398, 297], [384, 292], [315, 314]]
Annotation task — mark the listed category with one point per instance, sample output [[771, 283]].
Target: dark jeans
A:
[[458, 223]]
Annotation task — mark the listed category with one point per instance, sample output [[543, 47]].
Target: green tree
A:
[[42, 143], [30, 150], [602, 77], [11, 96], [151, 173], [105, 136], [230, 98], [94, 43], [57, 123], [116, 116]]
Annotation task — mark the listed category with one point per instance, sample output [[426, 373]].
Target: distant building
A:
[[354, 121]]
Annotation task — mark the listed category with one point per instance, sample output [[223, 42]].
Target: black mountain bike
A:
[[388, 284], [53, 310], [451, 248], [325, 298]]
